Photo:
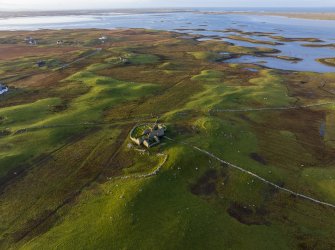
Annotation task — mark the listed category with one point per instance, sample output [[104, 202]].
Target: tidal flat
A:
[[305, 39], [71, 178], [313, 15]]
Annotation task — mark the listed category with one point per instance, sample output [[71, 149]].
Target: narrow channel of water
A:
[[208, 25]]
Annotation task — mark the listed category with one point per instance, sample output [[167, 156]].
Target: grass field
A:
[[70, 178]]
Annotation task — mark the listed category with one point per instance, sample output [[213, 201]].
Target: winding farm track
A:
[[302, 196]]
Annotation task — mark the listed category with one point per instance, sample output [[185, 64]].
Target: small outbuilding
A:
[[150, 136], [31, 41], [103, 39]]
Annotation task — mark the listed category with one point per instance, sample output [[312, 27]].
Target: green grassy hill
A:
[[70, 177]]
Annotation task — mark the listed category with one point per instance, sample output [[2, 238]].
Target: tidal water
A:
[[207, 25]]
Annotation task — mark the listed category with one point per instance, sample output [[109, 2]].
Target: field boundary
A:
[[228, 164], [152, 173]]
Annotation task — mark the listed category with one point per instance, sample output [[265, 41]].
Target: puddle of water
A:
[[252, 70], [322, 129], [203, 39]]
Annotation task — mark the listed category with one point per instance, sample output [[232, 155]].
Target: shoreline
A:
[[97, 12], [122, 11]]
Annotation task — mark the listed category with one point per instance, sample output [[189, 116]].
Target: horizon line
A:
[[164, 8]]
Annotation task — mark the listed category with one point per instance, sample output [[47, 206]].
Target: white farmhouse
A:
[[103, 39], [3, 89]]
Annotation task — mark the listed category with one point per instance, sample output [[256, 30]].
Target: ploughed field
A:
[[70, 178]]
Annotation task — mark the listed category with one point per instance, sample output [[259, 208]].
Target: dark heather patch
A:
[[258, 158], [308, 242], [58, 108], [245, 117], [246, 215], [206, 185], [5, 132]]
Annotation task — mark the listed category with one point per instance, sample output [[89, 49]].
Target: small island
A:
[[327, 61]]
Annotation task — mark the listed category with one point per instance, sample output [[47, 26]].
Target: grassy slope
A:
[[77, 200], [161, 207], [86, 108]]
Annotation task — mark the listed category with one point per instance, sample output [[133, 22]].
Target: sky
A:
[[109, 4]]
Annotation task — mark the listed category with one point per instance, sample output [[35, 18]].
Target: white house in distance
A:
[[3, 89], [103, 39], [31, 41]]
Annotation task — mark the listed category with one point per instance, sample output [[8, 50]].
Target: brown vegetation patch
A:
[[58, 108], [40, 86], [283, 136], [246, 215], [8, 52], [310, 242], [122, 160], [138, 73], [258, 158], [310, 87], [4, 132], [40, 80], [206, 185], [123, 112], [183, 130]]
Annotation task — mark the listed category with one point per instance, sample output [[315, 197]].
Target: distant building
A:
[[28, 38], [31, 41], [150, 136], [3, 88], [103, 39], [60, 42], [41, 63], [146, 143]]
